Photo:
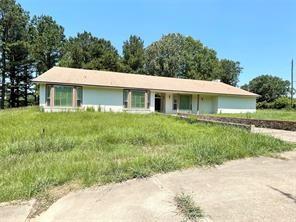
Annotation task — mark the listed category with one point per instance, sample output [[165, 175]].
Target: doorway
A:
[[159, 100]]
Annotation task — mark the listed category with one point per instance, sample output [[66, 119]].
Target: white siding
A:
[[111, 99], [207, 104], [215, 104], [152, 102], [106, 99], [194, 103], [42, 95], [169, 103], [236, 104]]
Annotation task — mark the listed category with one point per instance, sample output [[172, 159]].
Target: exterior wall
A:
[[106, 99], [42, 95], [152, 101], [236, 104], [111, 99], [207, 104], [169, 103], [103, 99], [194, 103]]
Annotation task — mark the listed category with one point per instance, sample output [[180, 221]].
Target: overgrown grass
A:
[[41, 150], [187, 207], [267, 114]]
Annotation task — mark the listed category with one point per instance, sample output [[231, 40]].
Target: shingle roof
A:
[[61, 75]]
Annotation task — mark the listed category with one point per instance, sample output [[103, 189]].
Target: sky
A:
[[260, 34]]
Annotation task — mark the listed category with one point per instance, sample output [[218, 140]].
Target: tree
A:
[[202, 62], [19, 73], [165, 57], [268, 87], [14, 51], [230, 71], [47, 41], [133, 54], [245, 87], [87, 51], [179, 56]]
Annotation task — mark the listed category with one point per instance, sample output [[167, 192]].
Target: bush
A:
[[264, 105], [279, 103], [282, 103], [90, 109]]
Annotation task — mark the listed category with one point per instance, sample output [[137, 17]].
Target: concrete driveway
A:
[[256, 189], [289, 136]]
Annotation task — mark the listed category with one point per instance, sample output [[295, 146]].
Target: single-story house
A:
[[63, 89]]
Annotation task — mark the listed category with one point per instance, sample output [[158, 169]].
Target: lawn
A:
[[39, 151], [269, 114]]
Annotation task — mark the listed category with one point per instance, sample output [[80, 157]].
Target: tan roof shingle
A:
[[61, 75]]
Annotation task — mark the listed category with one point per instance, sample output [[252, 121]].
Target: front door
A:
[[158, 103]]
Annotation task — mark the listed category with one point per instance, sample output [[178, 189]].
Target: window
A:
[[79, 96], [138, 99], [63, 96], [185, 102], [125, 98], [175, 102], [48, 88], [197, 103], [148, 100]]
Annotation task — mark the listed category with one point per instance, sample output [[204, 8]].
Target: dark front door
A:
[[157, 104]]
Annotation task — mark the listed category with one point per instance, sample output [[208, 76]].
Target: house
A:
[[63, 89]]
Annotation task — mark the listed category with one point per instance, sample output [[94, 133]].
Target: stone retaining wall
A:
[[238, 125], [194, 120], [273, 124]]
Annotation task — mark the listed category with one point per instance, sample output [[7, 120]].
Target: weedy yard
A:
[[39, 151], [267, 114]]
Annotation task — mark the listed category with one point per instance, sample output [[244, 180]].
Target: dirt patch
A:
[[44, 201]]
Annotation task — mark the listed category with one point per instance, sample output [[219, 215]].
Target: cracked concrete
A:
[[15, 211], [255, 189], [289, 136]]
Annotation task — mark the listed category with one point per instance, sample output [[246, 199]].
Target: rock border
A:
[[272, 124]]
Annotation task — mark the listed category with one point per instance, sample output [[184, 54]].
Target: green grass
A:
[[186, 206], [269, 114], [39, 150]]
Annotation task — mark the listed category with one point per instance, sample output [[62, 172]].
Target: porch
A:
[[173, 103]]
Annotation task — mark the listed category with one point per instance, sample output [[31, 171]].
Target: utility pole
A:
[[292, 88]]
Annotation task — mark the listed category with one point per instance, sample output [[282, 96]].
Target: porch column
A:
[[74, 97], [129, 99], [152, 101], [146, 100], [52, 97]]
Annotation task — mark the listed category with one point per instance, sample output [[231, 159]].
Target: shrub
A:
[[90, 109], [264, 105], [281, 103]]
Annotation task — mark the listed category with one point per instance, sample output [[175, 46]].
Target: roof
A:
[[61, 75]]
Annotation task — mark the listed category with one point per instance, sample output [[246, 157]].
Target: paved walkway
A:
[[289, 136], [16, 211], [256, 189]]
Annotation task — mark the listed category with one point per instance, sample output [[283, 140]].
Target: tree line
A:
[[274, 92], [32, 45]]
